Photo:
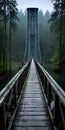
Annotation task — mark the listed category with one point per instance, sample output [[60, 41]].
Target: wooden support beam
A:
[[56, 110], [49, 93], [3, 117]]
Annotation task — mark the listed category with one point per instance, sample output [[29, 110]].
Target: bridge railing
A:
[[10, 97], [55, 98]]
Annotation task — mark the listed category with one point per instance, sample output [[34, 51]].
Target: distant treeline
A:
[[57, 25], [13, 34]]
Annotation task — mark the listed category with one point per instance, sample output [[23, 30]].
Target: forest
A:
[[13, 36]]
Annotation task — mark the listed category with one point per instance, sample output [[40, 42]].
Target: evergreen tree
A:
[[8, 12], [57, 18], [13, 25]]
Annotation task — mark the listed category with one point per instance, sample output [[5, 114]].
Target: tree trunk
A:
[[4, 48], [60, 50], [10, 46]]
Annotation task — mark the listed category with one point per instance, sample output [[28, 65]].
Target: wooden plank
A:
[[35, 106], [33, 123], [33, 103], [36, 109], [33, 95], [32, 113], [32, 128], [33, 118]]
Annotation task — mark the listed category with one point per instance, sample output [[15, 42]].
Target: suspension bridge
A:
[[32, 100]]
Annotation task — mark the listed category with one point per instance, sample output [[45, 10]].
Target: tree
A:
[[3, 13], [46, 38], [8, 12], [12, 18], [57, 22], [18, 46]]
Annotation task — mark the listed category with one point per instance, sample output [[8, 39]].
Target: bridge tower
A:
[[32, 48]]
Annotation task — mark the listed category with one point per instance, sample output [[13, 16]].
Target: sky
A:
[[41, 4]]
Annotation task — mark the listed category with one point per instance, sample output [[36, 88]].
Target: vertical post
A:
[[60, 50], [10, 40], [45, 85], [2, 117], [49, 93], [4, 50], [15, 98], [19, 86], [56, 110]]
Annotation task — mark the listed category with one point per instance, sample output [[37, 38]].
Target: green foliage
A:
[[58, 27], [47, 41], [18, 44], [60, 78], [51, 34], [55, 59], [8, 17]]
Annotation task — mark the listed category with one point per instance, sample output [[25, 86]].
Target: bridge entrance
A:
[[32, 48]]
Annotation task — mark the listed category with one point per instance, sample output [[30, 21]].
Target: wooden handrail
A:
[[57, 88], [54, 96], [5, 91], [10, 97]]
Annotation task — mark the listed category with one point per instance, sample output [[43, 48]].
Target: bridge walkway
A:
[[32, 113]]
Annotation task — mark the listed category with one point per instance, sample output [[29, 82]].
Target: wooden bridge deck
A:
[[32, 113]]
